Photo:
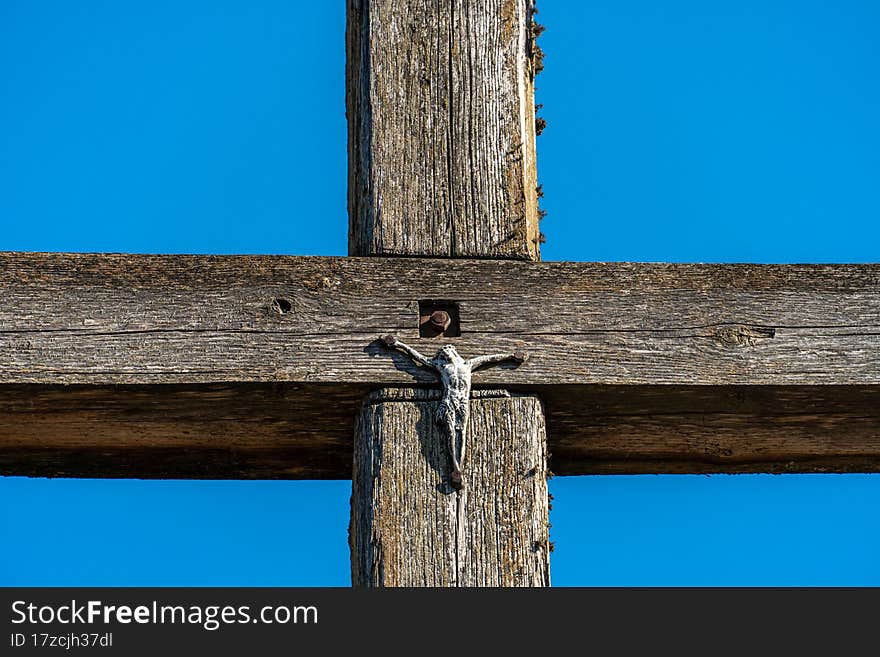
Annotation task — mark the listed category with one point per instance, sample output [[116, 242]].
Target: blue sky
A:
[[677, 131]]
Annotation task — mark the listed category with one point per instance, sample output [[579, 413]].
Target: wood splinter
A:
[[454, 409]]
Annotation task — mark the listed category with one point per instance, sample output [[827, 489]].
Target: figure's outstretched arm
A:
[[480, 361], [393, 342]]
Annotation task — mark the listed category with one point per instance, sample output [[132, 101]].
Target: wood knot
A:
[[280, 306], [739, 335]]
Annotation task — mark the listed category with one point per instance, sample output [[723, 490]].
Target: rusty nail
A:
[[440, 320]]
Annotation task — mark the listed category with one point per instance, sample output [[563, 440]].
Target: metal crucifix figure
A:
[[455, 375]]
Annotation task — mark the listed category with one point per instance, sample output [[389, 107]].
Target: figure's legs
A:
[[446, 418], [462, 426], [455, 478], [459, 438]]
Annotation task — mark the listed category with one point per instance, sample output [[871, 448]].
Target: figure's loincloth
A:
[[457, 408]]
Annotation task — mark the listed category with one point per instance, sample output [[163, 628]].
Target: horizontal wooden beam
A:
[[99, 319], [253, 367], [292, 431]]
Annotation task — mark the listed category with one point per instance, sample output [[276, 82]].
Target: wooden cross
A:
[[257, 367]]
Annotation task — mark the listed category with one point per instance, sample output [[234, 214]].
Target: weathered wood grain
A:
[[304, 431], [440, 104], [112, 319], [713, 429], [410, 528], [642, 368], [441, 128]]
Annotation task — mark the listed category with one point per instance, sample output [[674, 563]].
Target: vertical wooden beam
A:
[[410, 528], [441, 116]]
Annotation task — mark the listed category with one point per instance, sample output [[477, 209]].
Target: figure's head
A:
[[447, 354]]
